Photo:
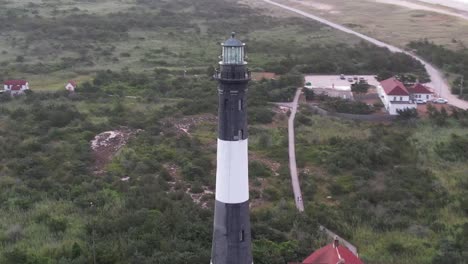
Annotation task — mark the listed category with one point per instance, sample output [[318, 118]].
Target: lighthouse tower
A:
[[231, 234]]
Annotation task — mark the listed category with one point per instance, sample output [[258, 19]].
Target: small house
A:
[[71, 86], [16, 87], [419, 91], [395, 96]]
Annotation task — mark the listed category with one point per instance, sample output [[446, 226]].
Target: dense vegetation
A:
[[58, 211], [396, 192], [393, 188], [63, 41], [452, 61], [340, 105]]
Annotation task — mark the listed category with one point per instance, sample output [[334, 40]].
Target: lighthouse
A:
[[231, 229]]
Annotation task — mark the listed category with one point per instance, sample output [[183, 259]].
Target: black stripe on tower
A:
[[231, 236], [232, 117], [232, 112]]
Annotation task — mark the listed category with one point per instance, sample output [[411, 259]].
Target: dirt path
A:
[[439, 83], [292, 154]]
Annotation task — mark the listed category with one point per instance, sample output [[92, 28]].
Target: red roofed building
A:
[[395, 96], [71, 86], [419, 91], [333, 254], [16, 87]]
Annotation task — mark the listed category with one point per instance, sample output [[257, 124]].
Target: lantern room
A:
[[233, 52]]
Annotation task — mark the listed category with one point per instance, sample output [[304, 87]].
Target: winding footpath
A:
[[439, 84], [292, 154]]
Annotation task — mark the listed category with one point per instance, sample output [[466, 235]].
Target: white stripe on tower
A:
[[232, 180]]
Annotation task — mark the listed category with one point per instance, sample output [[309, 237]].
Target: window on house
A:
[[427, 96], [401, 98], [394, 98]]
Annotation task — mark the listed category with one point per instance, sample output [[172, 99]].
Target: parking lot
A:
[[337, 82]]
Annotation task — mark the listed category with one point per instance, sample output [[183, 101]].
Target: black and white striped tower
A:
[[231, 234]]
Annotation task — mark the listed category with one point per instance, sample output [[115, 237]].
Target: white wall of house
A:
[[23, 87], [427, 97], [393, 109], [398, 105], [383, 97], [70, 87], [397, 98]]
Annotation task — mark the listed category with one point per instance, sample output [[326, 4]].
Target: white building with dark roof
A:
[[15, 87], [419, 91], [395, 96]]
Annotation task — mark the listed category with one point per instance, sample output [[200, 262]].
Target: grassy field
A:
[[51, 42], [390, 23], [386, 188], [417, 241]]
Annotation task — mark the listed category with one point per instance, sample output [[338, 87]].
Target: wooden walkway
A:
[[292, 154]]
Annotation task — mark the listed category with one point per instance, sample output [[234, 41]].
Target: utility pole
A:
[[91, 204]]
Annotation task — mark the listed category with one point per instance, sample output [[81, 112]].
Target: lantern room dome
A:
[[233, 42]]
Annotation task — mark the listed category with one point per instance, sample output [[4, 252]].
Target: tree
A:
[[408, 114], [309, 94], [19, 58]]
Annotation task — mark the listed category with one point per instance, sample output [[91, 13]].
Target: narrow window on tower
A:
[[242, 236], [241, 134], [241, 102], [225, 103]]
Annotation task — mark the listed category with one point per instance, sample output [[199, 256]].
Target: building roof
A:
[[392, 86], [233, 42], [73, 83], [16, 85], [333, 253], [419, 89], [16, 82]]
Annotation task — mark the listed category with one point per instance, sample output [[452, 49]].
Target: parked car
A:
[[420, 101], [342, 77], [440, 101], [350, 79]]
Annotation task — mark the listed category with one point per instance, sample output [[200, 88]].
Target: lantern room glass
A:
[[233, 55]]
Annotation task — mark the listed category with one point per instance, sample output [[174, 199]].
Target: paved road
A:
[[292, 155], [439, 83]]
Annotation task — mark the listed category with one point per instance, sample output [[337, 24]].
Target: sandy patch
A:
[[416, 6], [319, 6], [106, 144], [461, 5], [185, 124]]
